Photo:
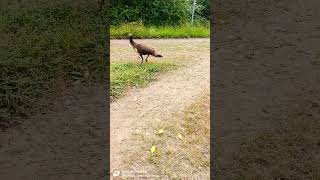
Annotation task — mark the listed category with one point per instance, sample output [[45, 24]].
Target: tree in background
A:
[[202, 10]]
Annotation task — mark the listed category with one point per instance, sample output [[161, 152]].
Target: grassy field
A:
[[199, 30], [182, 144], [43, 43], [125, 75]]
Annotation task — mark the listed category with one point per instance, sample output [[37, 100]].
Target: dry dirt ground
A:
[[172, 92], [266, 67], [68, 142]]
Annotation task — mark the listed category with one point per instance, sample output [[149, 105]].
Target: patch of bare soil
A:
[[172, 92], [67, 142], [182, 145], [177, 50], [266, 64]]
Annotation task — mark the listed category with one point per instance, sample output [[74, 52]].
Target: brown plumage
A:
[[143, 50]]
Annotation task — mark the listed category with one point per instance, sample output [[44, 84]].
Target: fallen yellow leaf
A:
[[161, 131], [153, 149], [179, 136]]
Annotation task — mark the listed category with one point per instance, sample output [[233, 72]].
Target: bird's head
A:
[[130, 35]]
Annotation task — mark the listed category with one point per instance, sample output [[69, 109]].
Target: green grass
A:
[[198, 30], [125, 75], [42, 43]]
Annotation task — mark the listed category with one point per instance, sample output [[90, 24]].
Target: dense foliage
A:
[[202, 10], [157, 12]]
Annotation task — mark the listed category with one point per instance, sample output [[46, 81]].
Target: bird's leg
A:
[[147, 58], [141, 58]]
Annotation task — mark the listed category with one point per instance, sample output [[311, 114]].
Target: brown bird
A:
[[143, 49]]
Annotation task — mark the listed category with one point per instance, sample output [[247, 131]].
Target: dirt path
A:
[[171, 93], [67, 142], [266, 64]]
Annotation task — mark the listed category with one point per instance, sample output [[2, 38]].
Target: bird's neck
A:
[[132, 42]]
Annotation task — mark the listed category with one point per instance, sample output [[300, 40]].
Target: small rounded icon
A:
[[116, 173]]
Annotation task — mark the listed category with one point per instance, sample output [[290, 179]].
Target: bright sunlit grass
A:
[[198, 30], [125, 75]]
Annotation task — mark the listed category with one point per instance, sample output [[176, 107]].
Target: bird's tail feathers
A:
[[157, 55]]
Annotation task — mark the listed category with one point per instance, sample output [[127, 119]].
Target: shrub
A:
[[156, 12]]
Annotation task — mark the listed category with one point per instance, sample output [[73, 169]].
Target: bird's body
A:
[[143, 49]]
